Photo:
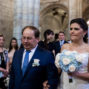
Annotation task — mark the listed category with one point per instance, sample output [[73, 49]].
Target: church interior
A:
[[44, 14]]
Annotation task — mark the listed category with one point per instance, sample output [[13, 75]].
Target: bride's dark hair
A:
[[82, 24]]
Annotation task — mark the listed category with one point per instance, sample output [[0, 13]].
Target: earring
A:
[[83, 35]]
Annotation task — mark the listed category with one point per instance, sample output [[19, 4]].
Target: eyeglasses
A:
[[75, 28]]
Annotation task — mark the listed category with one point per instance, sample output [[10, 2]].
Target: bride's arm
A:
[[84, 76], [62, 48]]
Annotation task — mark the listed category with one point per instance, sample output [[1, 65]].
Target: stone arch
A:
[[48, 8], [55, 17], [86, 13]]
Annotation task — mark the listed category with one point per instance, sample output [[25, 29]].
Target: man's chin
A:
[[27, 48]]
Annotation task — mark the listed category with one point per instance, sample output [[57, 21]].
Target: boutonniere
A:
[[36, 62]]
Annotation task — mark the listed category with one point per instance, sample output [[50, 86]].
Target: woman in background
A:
[[48, 40], [12, 48], [4, 63]]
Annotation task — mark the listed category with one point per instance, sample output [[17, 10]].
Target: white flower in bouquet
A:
[[72, 68], [66, 61], [67, 53], [57, 60], [78, 58]]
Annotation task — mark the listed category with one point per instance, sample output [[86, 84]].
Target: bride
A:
[[79, 79]]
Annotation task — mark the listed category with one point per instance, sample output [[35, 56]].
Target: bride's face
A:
[[76, 32]]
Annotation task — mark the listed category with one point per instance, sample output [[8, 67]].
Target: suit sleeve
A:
[[52, 73], [12, 74]]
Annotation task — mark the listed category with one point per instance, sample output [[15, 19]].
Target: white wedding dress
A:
[[76, 83]]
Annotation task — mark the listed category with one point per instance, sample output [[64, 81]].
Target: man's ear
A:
[[38, 39]]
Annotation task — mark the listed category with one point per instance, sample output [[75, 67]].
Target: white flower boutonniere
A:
[[36, 62]]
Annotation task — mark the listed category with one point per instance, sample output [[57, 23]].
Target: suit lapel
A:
[[20, 60]]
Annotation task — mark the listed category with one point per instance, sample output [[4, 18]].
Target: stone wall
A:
[[26, 12], [54, 15], [86, 9], [6, 20], [47, 20]]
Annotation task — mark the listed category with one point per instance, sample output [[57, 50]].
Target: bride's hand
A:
[[70, 74], [73, 74]]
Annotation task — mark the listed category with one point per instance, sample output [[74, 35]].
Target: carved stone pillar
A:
[[26, 12], [75, 9]]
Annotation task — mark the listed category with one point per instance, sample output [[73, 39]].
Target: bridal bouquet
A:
[[68, 61]]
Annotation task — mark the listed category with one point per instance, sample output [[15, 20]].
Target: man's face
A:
[[28, 39], [61, 36], [1, 41]]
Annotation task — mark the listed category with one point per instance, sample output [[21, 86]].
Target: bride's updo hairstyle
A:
[[82, 23]]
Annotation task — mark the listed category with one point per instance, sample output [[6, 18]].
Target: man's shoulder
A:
[[56, 42], [19, 51], [43, 51], [45, 54]]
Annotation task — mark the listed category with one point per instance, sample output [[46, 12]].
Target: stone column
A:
[[36, 13], [26, 12], [17, 20], [75, 9], [88, 30]]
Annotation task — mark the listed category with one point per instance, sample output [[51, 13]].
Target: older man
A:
[[32, 65]]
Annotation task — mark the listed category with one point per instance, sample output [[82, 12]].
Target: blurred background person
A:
[[56, 37], [13, 46], [60, 42], [4, 65], [48, 43]]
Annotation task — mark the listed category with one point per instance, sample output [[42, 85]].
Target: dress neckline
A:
[[76, 51]]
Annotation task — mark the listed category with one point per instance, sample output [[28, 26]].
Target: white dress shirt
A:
[[30, 54], [61, 42]]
